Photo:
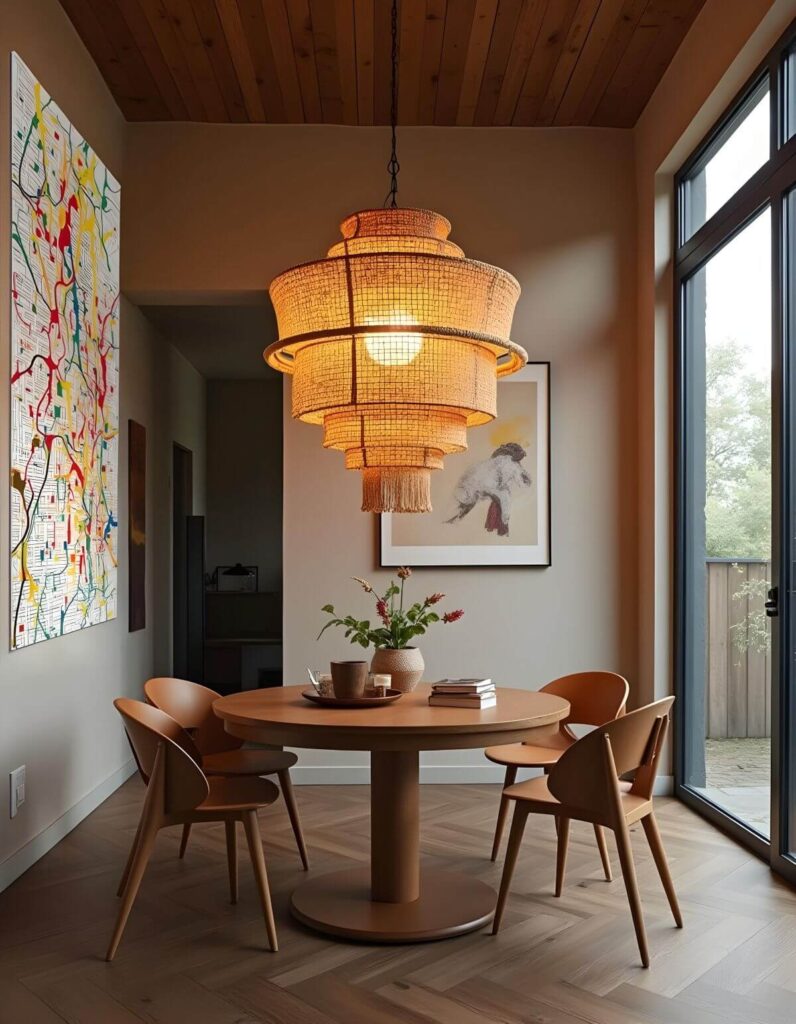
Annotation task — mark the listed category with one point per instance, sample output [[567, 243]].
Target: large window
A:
[[730, 160], [736, 493]]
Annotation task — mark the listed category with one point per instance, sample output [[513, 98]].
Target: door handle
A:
[[772, 604]]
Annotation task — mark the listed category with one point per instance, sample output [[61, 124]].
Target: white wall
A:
[[58, 718], [57, 715]]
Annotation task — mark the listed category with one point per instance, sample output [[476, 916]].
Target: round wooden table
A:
[[393, 900]]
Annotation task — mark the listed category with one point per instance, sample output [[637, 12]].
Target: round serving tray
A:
[[352, 702]]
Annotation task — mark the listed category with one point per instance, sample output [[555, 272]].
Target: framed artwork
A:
[[136, 510], [491, 504], [64, 372]]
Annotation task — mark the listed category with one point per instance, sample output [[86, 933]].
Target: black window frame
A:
[[767, 187]]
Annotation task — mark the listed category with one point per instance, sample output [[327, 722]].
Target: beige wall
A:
[[57, 717], [555, 207], [727, 41]]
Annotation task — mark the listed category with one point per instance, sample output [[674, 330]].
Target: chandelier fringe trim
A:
[[396, 490]]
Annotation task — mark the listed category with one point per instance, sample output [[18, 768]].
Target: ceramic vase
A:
[[405, 665]]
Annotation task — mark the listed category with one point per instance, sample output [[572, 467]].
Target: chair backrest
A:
[[586, 776], [151, 732], [191, 704], [594, 697]]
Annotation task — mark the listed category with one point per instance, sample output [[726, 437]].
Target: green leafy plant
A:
[[752, 632], [398, 627]]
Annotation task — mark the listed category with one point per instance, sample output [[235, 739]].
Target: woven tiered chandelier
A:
[[395, 342]]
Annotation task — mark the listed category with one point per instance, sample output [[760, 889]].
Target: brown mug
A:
[[349, 679]]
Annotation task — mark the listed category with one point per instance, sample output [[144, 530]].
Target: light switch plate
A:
[[17, 779]]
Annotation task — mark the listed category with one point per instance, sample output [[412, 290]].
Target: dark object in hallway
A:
[[136, 505]]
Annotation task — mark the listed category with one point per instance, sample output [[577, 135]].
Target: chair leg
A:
[[515, 840], [659, 856], [503, 810], [561, 852], [130, 859], [292, 811], [258, 863], [232, 860], [149, 831], [631, 885], [186, 831], [602, 846]]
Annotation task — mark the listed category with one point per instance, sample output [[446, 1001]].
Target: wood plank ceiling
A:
[[462, 62]]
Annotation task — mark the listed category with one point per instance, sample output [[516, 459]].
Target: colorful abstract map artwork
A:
[[64, 372]]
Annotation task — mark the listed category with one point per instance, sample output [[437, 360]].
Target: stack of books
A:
[[463, 693]]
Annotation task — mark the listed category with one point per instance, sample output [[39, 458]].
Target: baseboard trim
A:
[[307, 775], [24, 858], [664, 785]]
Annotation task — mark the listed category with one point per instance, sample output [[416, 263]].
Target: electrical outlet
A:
[[17, 780]]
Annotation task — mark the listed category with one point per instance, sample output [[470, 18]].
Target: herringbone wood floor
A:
[[188, 957]]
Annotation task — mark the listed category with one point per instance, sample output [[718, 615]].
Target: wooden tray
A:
[[352, 702]]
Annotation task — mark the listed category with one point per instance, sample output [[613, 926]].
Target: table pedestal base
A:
[[450, 904]]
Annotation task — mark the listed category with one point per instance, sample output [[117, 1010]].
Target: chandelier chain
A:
[[393, 166]]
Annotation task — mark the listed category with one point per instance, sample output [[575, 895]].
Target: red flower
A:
[[434, 599], [453, 616], [381, 611]]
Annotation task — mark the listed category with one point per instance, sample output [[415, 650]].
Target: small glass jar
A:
[[380, 683], [325, 687]]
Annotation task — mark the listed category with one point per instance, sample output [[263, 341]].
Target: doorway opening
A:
[[227, 499]]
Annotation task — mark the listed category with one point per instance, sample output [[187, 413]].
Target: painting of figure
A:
[[492, 481], [491, 504]]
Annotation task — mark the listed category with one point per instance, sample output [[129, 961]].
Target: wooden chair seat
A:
[[586, 785], [536, 797], [179, 793], [594, 698], [248, 762], [237, 794], [191, 705], [525, 755]]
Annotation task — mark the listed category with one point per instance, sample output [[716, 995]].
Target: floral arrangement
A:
[[398, 627]]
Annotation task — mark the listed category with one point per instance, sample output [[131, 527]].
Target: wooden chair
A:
[[179, 793], [585, 785], [191, 705], [594, 698]]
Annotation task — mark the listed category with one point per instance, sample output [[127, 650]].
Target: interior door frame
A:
[[181, 508], [768, 187]]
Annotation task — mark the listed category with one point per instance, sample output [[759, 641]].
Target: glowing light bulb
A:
[[394, 349]]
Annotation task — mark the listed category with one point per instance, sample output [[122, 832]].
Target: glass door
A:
[[783, 836], [735, 449], [727, 334]]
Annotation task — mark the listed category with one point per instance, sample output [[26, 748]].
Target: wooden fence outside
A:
[[738, 659]]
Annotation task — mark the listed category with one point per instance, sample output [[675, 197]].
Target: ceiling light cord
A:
[[393, 166]]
